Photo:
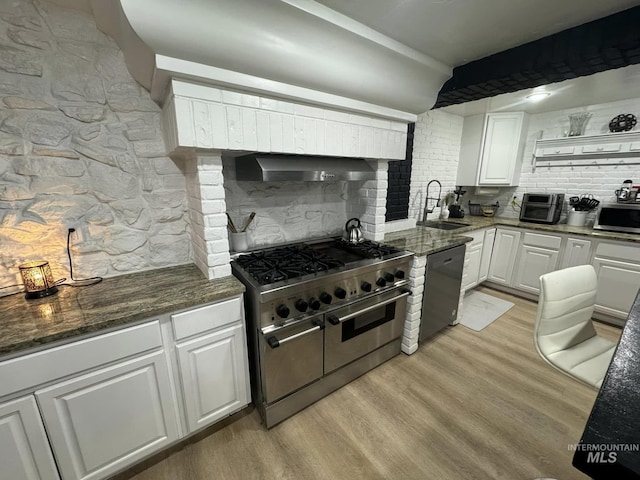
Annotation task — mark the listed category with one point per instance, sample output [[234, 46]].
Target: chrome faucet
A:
[[428, 210]]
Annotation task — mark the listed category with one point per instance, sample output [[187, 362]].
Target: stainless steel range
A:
[[319, 315]]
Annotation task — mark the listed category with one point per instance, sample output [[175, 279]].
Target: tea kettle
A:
[[353, 231]]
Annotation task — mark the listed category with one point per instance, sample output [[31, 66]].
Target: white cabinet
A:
[[618, 268], [477, 258], [577, 251], [491, 149], [24, 448], [214, 376], [505, 251], [472, 261], [103, 421], [537, 255], [487, 251]]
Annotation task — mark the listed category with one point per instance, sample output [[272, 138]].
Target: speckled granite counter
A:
[[115, 301], [614, 423], [424, 240]]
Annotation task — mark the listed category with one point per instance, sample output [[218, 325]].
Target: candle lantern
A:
[[37, 279]]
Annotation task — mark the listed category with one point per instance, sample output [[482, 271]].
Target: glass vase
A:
[[577, 123]]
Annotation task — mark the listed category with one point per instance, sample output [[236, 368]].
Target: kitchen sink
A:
[[442, 225]]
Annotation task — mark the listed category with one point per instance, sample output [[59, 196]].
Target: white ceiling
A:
[[459, 31]]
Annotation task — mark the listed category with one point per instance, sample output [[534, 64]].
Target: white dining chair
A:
[[564, 333]]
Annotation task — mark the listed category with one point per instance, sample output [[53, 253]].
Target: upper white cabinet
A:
[[24, 448], [491, 149]]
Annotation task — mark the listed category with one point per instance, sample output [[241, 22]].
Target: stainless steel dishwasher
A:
[[441, 290]]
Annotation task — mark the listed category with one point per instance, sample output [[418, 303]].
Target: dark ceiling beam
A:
[[604, 44]]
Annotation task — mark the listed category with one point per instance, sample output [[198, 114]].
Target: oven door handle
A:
[[275, 343], [335, 320]]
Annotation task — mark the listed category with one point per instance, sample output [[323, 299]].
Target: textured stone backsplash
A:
[[80, 146]]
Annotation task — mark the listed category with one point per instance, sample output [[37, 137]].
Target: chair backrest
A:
[[565, 307]]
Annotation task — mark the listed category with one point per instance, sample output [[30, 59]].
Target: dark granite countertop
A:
[[614, 423], [423, 240], [115, 301]]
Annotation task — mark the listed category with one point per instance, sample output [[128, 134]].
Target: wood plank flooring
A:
[[466, 405]]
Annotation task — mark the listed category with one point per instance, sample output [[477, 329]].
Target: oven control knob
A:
[[400, 274], [366, 287], [389, 277], [314, 303], [381, 282], [301, 305], [282, 311], [340, 293], [325, 298]]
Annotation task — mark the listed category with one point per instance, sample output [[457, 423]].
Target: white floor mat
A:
[[480, 309]]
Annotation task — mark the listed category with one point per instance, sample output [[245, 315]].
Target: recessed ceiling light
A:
[[537, 96]]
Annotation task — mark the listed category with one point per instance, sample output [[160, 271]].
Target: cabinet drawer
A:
[[615, 147], [543, 241], [628, 252], [38, 368], [199, 320], [549, 152]]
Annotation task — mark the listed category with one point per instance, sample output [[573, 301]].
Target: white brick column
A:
[[414, 305], [368, 201], [205, 193]]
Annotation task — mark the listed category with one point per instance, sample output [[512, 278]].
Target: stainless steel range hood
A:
[[308, 168]]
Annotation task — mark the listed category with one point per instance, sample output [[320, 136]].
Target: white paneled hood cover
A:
[[296, 49]]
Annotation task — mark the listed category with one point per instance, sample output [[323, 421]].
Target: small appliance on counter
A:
[[628, 193], [541, 207], [619, 217]]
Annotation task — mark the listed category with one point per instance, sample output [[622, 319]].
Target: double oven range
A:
[[319, 314]]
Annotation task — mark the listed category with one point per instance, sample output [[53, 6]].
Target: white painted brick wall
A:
[[414, 305], [436, 150]]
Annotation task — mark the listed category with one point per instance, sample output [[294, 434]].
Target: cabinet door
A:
[[576, 252], [505, 249], [472, 266], [618, 284], [106, 420], [487, 250], [214, 376], [24, 448], [533, 262], [500, 148]]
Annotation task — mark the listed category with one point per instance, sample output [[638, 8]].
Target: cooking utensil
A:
[[353, 230], [251, 217], [574, 201], [230, 225]]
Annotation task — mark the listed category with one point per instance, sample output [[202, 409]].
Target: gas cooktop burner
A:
[[284, 263], [290, 262], [367, 248]]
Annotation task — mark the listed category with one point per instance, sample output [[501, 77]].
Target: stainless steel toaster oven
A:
[[541, 207]]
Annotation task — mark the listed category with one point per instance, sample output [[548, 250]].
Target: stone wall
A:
[[80, 146]]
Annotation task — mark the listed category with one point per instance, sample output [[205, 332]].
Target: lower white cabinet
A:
[[577, 251], [505, 251], [214, 376], [24, 448], [487, 251], [477, 258], [533, 262], [618, 269], [103, 421]]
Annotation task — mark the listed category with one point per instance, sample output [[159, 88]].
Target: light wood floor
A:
[[466, 405]]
